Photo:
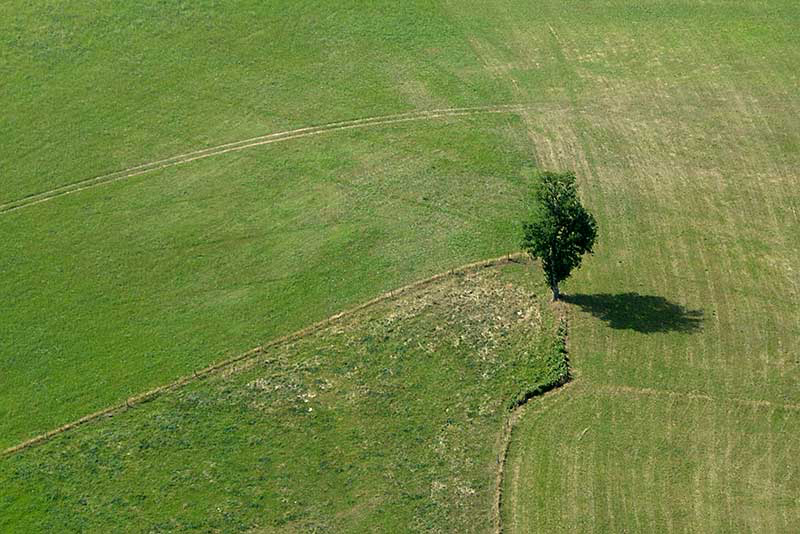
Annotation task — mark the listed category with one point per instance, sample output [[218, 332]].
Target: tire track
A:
[[252, 142], [652, 392]]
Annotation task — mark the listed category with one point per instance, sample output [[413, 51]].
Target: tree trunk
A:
[[556, 294]]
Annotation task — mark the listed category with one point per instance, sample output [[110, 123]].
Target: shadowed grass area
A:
[[646, 314]]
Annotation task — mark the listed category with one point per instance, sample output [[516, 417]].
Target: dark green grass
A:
[[390, 419]]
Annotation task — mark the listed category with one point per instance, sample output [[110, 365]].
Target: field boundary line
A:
[[653, 392], [557, 386], [266, 139], [229, 363], [508, 435]]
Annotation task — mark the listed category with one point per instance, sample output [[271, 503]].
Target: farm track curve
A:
[[252, 142]]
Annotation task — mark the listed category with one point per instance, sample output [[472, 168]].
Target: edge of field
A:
[[517, 410], [228, 363]]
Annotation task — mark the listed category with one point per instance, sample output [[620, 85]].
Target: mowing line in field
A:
[[252, 142], [518, 411], [556, 394], [614, 389], [242, 361]]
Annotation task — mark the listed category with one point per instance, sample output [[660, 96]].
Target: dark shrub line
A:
[[559, 362]]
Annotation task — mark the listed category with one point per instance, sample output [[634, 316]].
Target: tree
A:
[[560, 230]]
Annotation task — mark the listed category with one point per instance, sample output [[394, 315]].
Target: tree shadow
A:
[[643, 313]]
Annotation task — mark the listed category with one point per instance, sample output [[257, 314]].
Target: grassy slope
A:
[[127, 286], [682, 126], [679, 118], [391, 417]]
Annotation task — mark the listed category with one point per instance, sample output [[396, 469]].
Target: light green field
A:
[[685, 327], [680, 119]]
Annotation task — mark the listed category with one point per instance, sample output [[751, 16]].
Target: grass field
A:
[[141, 281], [100, 86], [680, 118], [390, 417], [685, 327]]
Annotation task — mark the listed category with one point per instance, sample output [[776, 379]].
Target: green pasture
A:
[[138, 282], [93, 87], [679, 118]]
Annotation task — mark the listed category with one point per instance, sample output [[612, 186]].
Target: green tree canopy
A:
[[560, 230]]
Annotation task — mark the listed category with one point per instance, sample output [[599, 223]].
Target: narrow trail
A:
[[253, 142]]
